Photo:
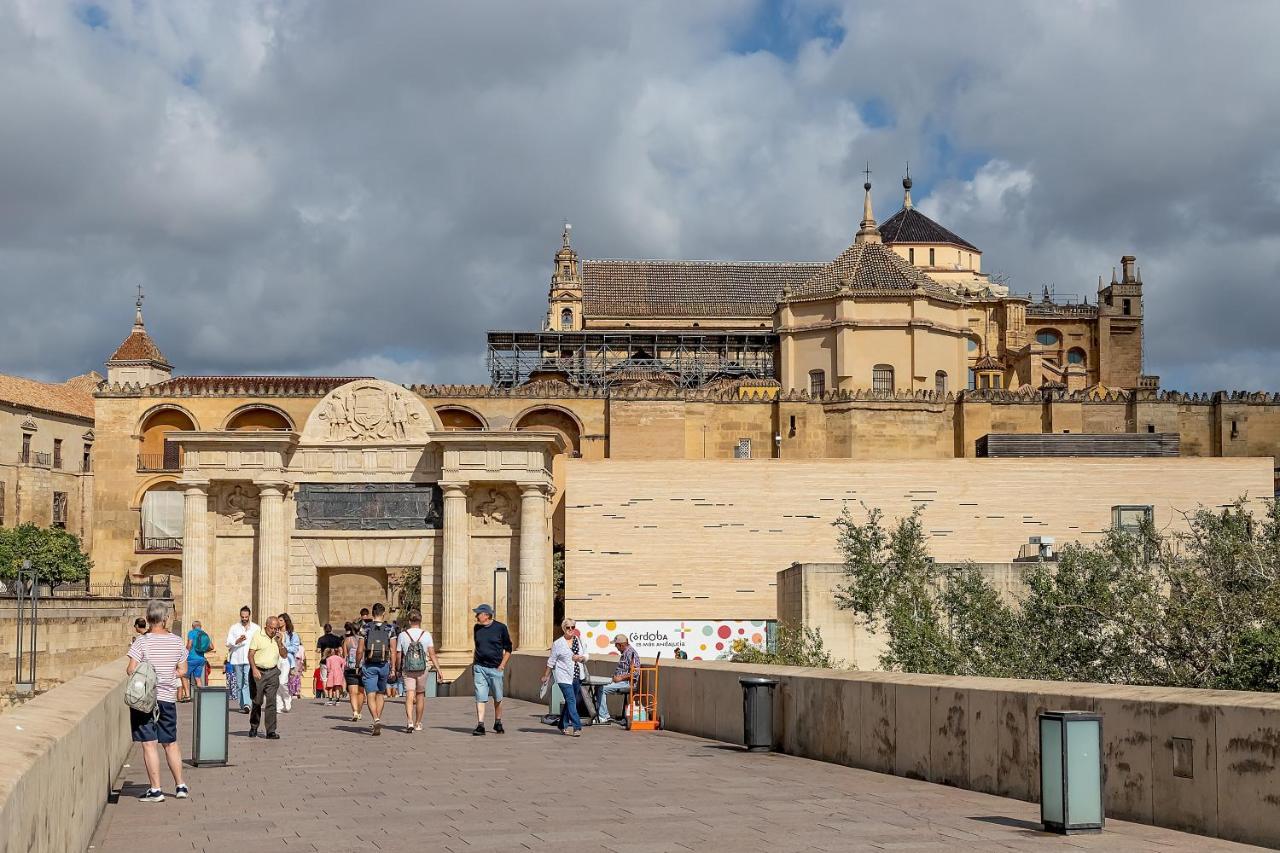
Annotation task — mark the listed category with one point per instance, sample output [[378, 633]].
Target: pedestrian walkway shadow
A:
[[1028, 827]]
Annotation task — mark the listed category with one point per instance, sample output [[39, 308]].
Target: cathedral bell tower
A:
[[1120, 328], [138, 361], [564, 302]]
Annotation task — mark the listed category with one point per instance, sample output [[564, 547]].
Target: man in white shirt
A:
[[238, 638], [417, 639]]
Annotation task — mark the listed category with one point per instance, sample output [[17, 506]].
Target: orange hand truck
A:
[[642, 712]]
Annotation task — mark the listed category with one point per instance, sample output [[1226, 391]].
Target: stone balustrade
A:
[[1201, 761]]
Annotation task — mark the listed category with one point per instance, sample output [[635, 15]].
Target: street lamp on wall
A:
[[28, 589]]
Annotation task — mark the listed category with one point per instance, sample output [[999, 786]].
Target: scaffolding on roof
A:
[[607, 359]]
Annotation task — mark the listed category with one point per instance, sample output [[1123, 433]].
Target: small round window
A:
[[1047, 338], [973, 345], [1075, 356]]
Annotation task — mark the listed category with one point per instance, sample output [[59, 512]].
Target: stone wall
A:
[[73, 636], [981, 734], [58, 759], [704, 539]]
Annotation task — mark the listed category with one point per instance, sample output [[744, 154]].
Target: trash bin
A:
[[757, 713]]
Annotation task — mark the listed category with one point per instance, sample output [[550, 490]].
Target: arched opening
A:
[[457, 418], [258, 418], [1076, 355], [549, 419], [940, 383], [159, 577], [155, 451], [341, 592], [566, 319], [160, 520]]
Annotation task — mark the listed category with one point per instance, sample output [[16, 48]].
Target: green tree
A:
[[1194, 608], [54, 553], [794, 645]]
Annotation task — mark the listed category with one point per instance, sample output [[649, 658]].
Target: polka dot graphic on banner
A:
[[697, 639]]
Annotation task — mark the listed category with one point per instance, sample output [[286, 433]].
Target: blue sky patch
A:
[[780, 28], [93, 16]]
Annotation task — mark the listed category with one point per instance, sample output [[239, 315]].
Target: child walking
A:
[[334, 665]]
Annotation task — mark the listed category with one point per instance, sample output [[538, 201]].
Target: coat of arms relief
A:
[[368, 413]]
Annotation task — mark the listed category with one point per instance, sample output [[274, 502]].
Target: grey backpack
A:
[[140, 689]]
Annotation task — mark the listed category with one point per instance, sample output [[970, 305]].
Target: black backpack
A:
[[377, 643]]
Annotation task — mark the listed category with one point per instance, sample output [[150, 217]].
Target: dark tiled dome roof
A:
[[911, 226]]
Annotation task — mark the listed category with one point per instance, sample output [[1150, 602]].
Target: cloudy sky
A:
[[367, 187]]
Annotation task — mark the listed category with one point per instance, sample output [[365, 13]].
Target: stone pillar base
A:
[[454, 664]]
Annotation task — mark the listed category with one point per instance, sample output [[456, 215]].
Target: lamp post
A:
[[1071, 771], [28, 583], [501, 592]]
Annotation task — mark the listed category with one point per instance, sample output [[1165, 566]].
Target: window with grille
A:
[[60, 509], [1131, 518], [940, 383], [743, 449], [566, 320], [882, 378], [26, 447], [57, 453], [817, 383]]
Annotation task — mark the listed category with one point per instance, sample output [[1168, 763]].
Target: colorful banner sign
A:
[[697, 639]]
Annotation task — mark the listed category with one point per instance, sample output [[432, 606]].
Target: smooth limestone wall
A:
[[58, 757], [73, 636], [1202, 761]]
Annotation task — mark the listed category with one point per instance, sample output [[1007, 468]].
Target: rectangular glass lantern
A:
[[209, 728], [1071, 771]]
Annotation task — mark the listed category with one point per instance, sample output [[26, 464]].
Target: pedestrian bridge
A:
[[327, 785]]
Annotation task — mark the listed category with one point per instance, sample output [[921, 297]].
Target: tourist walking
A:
[[417, 655], [324, 646], [628, 662], [493, 650], [239, 636], [566, 665], [333, 679], [351, 672], [290, 665], [158, 729], [265, 652], [377, 663], [199, 644]]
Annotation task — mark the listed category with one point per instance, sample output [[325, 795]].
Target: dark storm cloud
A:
[[349, 188]]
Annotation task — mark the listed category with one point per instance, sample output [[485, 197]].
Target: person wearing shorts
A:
[[375, 674], [493, 650], [415, 681], [167, 654]]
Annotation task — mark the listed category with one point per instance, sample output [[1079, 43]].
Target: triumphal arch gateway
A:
[[371, 486]]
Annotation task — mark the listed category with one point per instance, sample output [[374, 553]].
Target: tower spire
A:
[[137, 313], [867, 230], [564, 237], [906, 189]]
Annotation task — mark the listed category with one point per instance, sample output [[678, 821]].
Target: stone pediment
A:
[[370, 411]]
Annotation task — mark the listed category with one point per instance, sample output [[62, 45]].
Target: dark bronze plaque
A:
[[369, 506]]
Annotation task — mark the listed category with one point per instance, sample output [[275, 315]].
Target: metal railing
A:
[[160, 586], [158, 462], [158, 545], [40, 458]]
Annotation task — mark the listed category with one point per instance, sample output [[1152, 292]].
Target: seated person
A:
[[628, 658]]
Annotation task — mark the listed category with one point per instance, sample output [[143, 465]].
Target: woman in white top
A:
[[567, 663]]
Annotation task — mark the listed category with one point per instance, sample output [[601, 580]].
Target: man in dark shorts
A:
[[167, 654], [377, 662]]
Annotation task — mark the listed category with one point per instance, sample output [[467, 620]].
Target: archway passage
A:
[[340, 593], [155, 452], [154, 576], [566, 425], [456, 419], [256, 419]]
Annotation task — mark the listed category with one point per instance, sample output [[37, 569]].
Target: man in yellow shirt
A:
[[265, 649]]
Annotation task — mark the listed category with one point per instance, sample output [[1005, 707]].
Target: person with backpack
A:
[[157, 662], [199, 644], [417, 654], [378, 659], [351, 670]]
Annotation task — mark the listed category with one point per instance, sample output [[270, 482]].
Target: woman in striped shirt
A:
[[167, 654]]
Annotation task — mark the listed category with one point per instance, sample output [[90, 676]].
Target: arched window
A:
[[972, 345], [1075, 356], [1048, 338], [566, 320], [817, 383], [882, 378], [940, 383], [257, 419]]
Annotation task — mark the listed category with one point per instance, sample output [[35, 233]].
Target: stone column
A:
[[535, 592], [197, 587], [455, 610], [273, 558]]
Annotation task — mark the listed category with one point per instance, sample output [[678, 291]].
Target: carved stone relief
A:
[[493, 509], [368, 412], [368, 506], [237, 506]]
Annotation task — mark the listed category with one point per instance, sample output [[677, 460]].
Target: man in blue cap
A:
[[493, 650]]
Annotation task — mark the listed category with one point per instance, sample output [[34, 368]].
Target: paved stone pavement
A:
[[328, 786]]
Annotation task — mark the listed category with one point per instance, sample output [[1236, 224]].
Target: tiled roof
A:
[[911, 226], [73, 397], [988, 363], [613, 288], [866, 266], [139, 347], [235, 386]]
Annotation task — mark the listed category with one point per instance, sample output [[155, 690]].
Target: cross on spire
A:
[[137, 315], [867, 172]]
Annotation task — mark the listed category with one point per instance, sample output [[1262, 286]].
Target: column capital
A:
[[454, 489], [531, 489], [194, 486], [272, 489]]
